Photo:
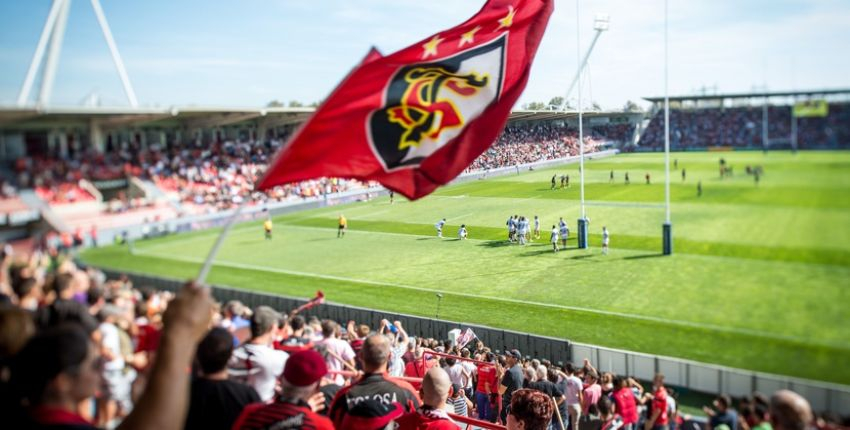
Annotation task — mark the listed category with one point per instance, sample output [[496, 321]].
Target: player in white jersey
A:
[[520, 231], [536, 227], [527, 229], [605, 238], [439, 226], [461, 232], [554, 238], [565, 234]]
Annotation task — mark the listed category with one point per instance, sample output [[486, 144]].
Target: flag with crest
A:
[[415, 119]]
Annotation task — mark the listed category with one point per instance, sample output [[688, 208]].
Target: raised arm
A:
[[401, 332], [165, 401]]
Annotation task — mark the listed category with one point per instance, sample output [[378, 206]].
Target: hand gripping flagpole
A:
[[205, 269]]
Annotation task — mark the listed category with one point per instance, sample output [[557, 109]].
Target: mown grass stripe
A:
[[685, 246]]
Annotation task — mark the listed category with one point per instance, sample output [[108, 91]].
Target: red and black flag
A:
[[416, 119]]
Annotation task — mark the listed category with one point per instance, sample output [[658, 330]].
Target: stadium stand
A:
[[741, 127], [64, 323], [129, 182], [527, 144]]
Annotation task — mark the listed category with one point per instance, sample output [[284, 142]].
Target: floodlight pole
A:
[[601, 23], [116, 56], [667, 228], [584, 62], [54, 32], [39, 51], [56, 38]]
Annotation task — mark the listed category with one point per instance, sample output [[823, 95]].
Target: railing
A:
[[696, 376]]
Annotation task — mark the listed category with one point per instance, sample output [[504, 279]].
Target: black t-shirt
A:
[[513, 381], [551, 390], [217, 404], [547, 388], [329, 391]]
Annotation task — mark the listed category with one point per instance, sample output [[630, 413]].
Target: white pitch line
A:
[[735, 330], [459, 216]]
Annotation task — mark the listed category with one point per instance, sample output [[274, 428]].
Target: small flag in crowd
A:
[[416, 119], [466, 337]]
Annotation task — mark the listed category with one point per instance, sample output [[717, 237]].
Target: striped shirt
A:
[[459, 403]]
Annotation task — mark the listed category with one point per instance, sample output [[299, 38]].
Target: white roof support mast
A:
[[54, 29]]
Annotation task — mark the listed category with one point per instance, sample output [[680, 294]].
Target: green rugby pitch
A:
[[759, 278]]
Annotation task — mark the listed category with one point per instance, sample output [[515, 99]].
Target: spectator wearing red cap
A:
[[432, 415], [375, 384], [299, 385]]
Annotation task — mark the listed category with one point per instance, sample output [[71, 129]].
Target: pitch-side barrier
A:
[[682, 374]]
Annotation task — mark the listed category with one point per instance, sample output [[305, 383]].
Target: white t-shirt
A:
[[258, 366], [340, 348], [605, 237], [396, 362], [554, 237], [112, 342], [574, 387], [456, 374], [471, 369]]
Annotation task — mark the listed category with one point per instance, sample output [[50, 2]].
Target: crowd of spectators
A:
[[210, 176], [78, 350], [620, 133], [742, 127], [215, 176], [529, 144]]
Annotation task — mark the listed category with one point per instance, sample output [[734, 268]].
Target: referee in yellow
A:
[[343, 225], [267, 226]]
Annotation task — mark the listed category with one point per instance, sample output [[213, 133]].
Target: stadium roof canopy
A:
[[123, 117], [750, 95], [199, 116]]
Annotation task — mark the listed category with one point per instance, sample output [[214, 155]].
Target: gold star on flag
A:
[[430, 47], [468, 36], [508, 19]]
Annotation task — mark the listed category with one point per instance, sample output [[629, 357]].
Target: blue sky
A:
[[248, 52]]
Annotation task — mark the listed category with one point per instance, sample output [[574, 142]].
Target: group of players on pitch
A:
[[520, 232]]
